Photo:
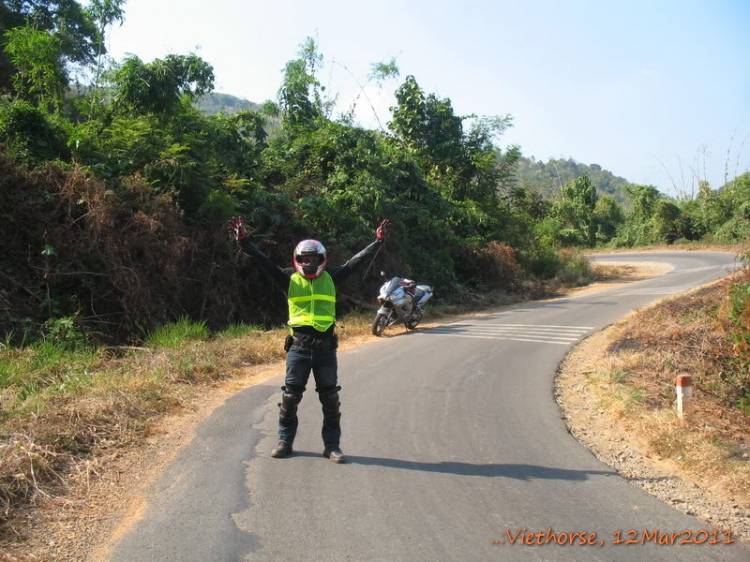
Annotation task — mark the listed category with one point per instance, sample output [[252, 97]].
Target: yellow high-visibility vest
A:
[[312, 302]]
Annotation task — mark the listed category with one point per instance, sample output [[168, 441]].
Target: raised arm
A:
[[342, 272], [238, 231]]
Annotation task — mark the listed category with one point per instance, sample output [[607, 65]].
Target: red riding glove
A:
[[236, 228], [382, 232]]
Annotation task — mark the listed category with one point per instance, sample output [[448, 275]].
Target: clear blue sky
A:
[[656, 91]]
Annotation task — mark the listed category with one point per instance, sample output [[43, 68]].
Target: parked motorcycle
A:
[[401, 300]]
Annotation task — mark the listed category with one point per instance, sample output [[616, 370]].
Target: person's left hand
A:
[[236, 228], [382, 232]]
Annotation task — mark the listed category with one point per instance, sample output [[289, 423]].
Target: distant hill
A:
[[547, 178], [214, 103]]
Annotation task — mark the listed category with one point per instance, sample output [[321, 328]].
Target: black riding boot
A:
[[329, 398], [287, 419]]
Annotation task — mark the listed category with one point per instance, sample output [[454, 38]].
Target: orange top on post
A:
[[683, 380]]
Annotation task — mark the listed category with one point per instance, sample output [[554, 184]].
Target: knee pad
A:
[[293, 389], [328, 394], [290, 400], [329, 398]]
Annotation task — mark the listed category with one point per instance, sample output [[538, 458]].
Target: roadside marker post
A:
[[684, 388]]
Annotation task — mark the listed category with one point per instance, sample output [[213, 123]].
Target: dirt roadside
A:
[[105, 502], [603, 434]]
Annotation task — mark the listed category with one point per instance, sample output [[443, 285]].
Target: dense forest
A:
[[116, 187]]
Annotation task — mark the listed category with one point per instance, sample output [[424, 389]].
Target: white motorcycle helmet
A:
[[310, 258]]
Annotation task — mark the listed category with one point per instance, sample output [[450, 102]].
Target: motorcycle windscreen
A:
[[393, 284]]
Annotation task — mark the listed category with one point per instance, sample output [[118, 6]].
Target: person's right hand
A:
[[383, 230], [236, 228]]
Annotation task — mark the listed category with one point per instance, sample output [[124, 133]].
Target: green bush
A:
[[64, 332], [32, 134], [575, 268], [541, 260], [735, 229]]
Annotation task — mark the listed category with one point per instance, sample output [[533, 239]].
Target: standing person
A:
[[311, 295]]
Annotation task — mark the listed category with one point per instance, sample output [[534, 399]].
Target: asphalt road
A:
[[453, 440]]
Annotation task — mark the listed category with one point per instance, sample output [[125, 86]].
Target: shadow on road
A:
[[515, 471]]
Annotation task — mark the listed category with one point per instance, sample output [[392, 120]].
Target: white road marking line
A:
[[502, 327], [534, 333], [550, 331], [529, 326], [434, 333]]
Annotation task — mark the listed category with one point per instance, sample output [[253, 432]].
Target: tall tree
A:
[[66, 20], [642, 199], [466, 166], [104, 13], [577, 208], [301, 94], [35, 55], [159, 87], [608, 217]]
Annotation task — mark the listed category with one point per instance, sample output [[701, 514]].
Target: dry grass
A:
[[612, 272], [707, 449]]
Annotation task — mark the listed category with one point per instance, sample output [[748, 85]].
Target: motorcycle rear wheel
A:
[[379, 324], [415, 320]]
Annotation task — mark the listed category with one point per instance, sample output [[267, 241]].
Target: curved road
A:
[[453, 440]]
